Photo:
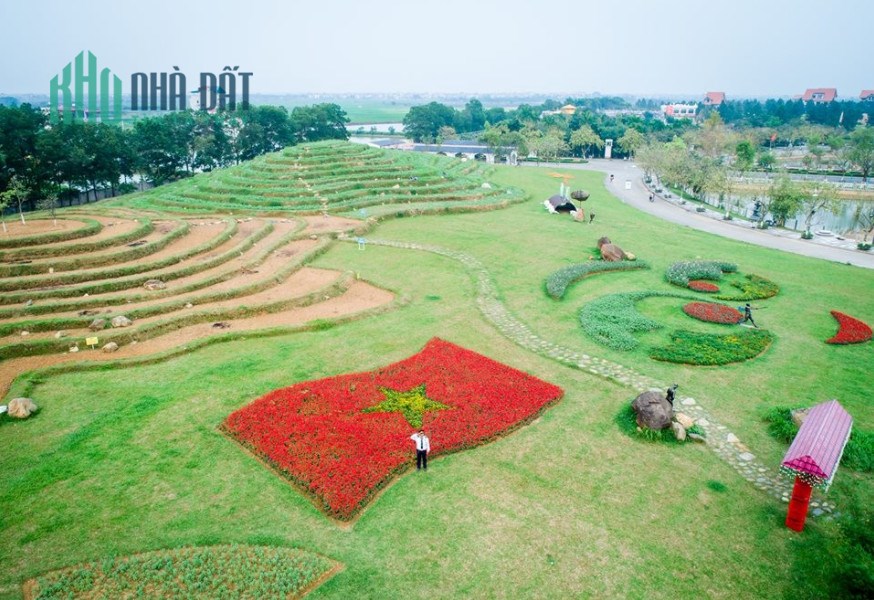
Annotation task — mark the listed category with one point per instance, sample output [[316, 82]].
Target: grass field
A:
[[125, 461]]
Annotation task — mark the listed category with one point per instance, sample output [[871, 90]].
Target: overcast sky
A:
[[642, 47]]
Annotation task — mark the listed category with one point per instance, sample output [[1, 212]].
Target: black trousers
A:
[[421, 459]]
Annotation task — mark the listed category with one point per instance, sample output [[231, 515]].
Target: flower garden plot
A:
[[713, 312], [342, 438], [699, 285], [850, 330], [692, 348], [195, 572]]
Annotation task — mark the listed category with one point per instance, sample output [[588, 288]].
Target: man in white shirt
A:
[[423, 447]]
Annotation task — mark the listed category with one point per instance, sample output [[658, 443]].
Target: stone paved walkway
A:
[[723, 442]]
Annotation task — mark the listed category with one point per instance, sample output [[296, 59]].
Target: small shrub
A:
[[752, 287], [716, 486], [806, 235], [863, 246], [680, 273]]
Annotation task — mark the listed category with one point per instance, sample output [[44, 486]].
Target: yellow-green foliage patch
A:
[[202, 572]]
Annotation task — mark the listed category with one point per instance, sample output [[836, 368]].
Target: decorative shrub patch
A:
[[612, 320], [681, 273], [558, 283], [713, 312], [850, 330], [693, 348], [752, 287], [699, 285], [343, 438], [206, 572]]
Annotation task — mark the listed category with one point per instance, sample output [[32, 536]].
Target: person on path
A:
[[651, 199], [748, 315], [669, 396], [423, 447]]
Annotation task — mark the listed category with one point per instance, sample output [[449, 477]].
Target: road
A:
[[833, 249]]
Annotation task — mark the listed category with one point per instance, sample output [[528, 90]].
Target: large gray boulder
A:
[[653, 410], [610, 251], [121, 321]]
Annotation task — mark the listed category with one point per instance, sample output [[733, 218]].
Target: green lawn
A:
[[374, 112], [129, 461]]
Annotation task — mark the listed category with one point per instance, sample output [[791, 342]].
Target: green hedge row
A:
[[84, 303], [557, 283], [131, 276], [124, 336], [175, 305], [145, 228], [98, 260], [91, 227]]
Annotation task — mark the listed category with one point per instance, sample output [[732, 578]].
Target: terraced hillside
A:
[[333, 177], [149, 285]]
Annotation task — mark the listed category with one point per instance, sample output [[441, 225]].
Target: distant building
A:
[[818, 95], [567, 109], [867, 96], [714, 98], [679, 110]]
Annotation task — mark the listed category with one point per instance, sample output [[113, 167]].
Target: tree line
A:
[[40, 160]]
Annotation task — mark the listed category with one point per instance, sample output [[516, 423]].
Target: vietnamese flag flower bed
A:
[[713, 312], [341, 439], [850, 330]]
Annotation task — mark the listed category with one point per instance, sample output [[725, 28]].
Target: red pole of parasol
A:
[[798, 505]]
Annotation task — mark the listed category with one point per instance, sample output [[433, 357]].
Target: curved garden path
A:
[[718, 437]]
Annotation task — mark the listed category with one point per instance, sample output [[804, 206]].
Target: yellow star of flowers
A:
[[413, 404]]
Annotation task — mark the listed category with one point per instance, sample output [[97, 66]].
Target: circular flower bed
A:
[[699, 285], [713, 312], [692, 348]]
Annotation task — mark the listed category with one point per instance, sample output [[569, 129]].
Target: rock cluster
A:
[[610, 251]]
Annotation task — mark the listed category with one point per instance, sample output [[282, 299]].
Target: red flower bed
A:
[[321, 436], [699, 285], [713, 312], [850, 330]]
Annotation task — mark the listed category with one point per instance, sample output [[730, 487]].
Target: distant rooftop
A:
[[820, 95]]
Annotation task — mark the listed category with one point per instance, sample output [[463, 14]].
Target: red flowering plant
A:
[[699, 285], [341, 439], [850, 330], [713, 312]]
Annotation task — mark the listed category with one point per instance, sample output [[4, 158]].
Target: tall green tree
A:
[[745, 155], [783, 200], [585, 139], [325, 121], [631, 140], [860, 150], [818, 198], [423, 123]]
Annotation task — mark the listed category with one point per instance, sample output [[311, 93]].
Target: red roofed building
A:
[[867, 96], [714, 98], [820, 95]]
